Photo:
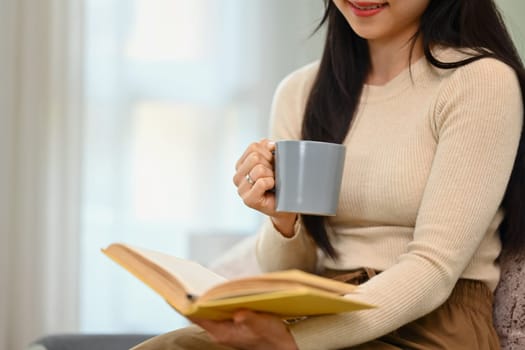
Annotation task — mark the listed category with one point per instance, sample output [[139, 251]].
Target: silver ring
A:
[[249, 179]]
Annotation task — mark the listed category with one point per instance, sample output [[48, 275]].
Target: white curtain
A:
[[39, 168]]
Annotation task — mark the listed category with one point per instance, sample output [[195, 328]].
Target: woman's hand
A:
[[255, 179], [251, 331]]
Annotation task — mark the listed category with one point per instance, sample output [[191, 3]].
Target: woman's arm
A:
[[281, 250], [477, 123]]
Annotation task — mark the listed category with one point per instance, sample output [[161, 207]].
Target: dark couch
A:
[[88, 341]]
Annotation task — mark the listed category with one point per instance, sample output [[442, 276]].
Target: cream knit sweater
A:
[[429, 156]]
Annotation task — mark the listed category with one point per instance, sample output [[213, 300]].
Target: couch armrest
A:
[[88, 341]]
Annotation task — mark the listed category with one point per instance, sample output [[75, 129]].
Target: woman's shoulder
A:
[[485, 76], [299, 81], [482, 85], [290, 100], [304, 73], [484, 68]]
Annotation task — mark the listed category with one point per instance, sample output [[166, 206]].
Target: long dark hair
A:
[[333, 100]]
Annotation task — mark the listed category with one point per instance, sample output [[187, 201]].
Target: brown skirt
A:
[[463, 322]]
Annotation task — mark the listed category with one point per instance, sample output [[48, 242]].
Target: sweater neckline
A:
[[398, 84]]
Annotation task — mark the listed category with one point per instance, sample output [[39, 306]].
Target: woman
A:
[[426, 95]]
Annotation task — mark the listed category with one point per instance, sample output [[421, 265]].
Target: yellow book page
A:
[[194, 278], [287, 293], [146, 266], [159, 281], [290, 303], [275, 281]]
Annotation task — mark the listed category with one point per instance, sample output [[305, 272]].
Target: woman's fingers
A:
[[254, 189], [254, 177], [258, 172], [250, 330], [252, 161], [258, 196], [263, 147]]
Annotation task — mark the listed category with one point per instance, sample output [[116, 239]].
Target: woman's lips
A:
[[366, 9]]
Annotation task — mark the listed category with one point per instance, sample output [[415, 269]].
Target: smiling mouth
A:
[[368, 6]]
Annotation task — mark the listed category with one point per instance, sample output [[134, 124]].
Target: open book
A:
[[195, 291]]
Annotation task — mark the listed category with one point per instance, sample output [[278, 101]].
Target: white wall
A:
[[514, 14]]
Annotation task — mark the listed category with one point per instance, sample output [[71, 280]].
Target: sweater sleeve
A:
[[274, 251], [477, 124]]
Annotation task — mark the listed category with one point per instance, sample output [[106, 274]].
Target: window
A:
[[175, 91]]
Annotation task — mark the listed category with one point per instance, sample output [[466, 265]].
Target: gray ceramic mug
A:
[[308, 176]]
